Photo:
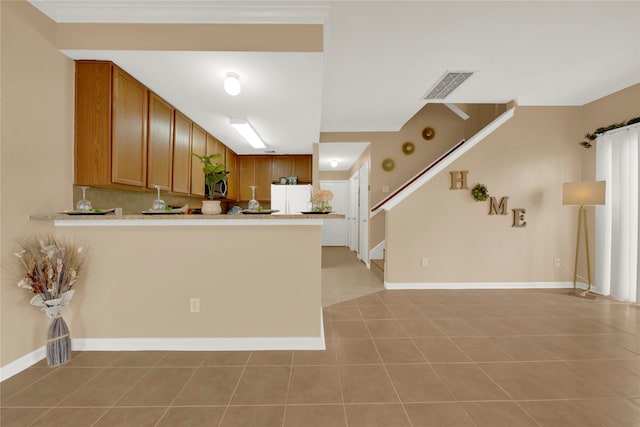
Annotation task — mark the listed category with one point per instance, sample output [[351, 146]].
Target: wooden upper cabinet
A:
[[263, 177], [262, 171], [302, 169], [246, 176], [282, 167], [215, 147], [255, 170], [299, 165], [129, 127], [231, 159], [93, 123], [198, 146], [160, 143], [181, 182]]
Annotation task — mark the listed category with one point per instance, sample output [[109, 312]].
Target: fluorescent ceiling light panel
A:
[[243, 127], [447, 84]]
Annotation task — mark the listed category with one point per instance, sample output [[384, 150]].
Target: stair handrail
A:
[[439, 164]]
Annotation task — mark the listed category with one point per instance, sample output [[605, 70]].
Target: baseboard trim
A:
[[478, 285], [22, 363], [198, 344], [181, 344]]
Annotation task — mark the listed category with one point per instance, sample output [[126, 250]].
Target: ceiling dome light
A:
[[334, 163], [232, 84]]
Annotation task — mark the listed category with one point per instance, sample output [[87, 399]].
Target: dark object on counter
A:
[[196, 211], [234, 210]]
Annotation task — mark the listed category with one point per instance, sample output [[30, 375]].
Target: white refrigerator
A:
[[291, 199]]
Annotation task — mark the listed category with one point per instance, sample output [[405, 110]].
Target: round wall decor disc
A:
[[388, 165], [428, 133], [408, 148]]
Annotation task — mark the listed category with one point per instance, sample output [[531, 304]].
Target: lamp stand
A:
[[576, 291]]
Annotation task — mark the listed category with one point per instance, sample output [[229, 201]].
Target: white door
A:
[[334, 231], [363, 214], [352, 212]]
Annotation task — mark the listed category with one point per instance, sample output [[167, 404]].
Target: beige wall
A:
[[526, 159], [192, 37], [137, 282], [464, 243], [334, 175], [37, 157], [450, 129]]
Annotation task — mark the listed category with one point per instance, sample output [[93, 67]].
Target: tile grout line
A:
[[286, 399], [128, 389], [395, 390], [226, 409], [335, 352], [184, 386], [474, 363], [51, 408]]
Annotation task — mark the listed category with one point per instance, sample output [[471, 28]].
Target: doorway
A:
[[363, 214], [352, 213], [334, 231]]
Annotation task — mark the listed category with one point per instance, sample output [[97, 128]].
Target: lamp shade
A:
[[584, 193]]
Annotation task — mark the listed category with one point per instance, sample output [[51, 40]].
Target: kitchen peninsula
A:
[[190, 282], [197, 282]]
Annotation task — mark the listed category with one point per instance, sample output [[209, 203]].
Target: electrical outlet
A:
[[556, 262], [425, 262], [194, 305]]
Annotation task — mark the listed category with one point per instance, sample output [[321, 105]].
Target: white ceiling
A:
[[281, 92], [343, 153], [379, 60]]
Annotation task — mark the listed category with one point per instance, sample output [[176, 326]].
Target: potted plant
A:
[[214, 173]]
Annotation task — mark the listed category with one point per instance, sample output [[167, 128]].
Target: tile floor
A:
[[344, 277], [483, 358]]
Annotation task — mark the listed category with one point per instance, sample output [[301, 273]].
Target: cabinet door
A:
[[181, 154], [129, 132], [160, 145], [263, 177], [93, 123], [198, 146], [302, 169], [215, 147], [246, 176], [282, 166], [232, 178]]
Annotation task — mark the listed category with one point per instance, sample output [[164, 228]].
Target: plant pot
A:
[[211, 207]]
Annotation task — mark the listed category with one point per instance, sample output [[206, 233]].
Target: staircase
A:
[[439, 164], [377, 268], [376, 255]]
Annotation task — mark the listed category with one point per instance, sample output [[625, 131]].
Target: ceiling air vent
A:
[[447, 84]]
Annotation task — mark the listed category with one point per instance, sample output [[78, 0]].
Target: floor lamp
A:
[[588, 193]]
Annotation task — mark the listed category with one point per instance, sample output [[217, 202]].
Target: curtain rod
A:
[[624, 128]]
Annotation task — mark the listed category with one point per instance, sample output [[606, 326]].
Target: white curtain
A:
[[617, 222]]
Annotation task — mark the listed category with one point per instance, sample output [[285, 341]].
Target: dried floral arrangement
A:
[[321, 199], [51, 270]]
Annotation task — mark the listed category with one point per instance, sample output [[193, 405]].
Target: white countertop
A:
[[111, 220]]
